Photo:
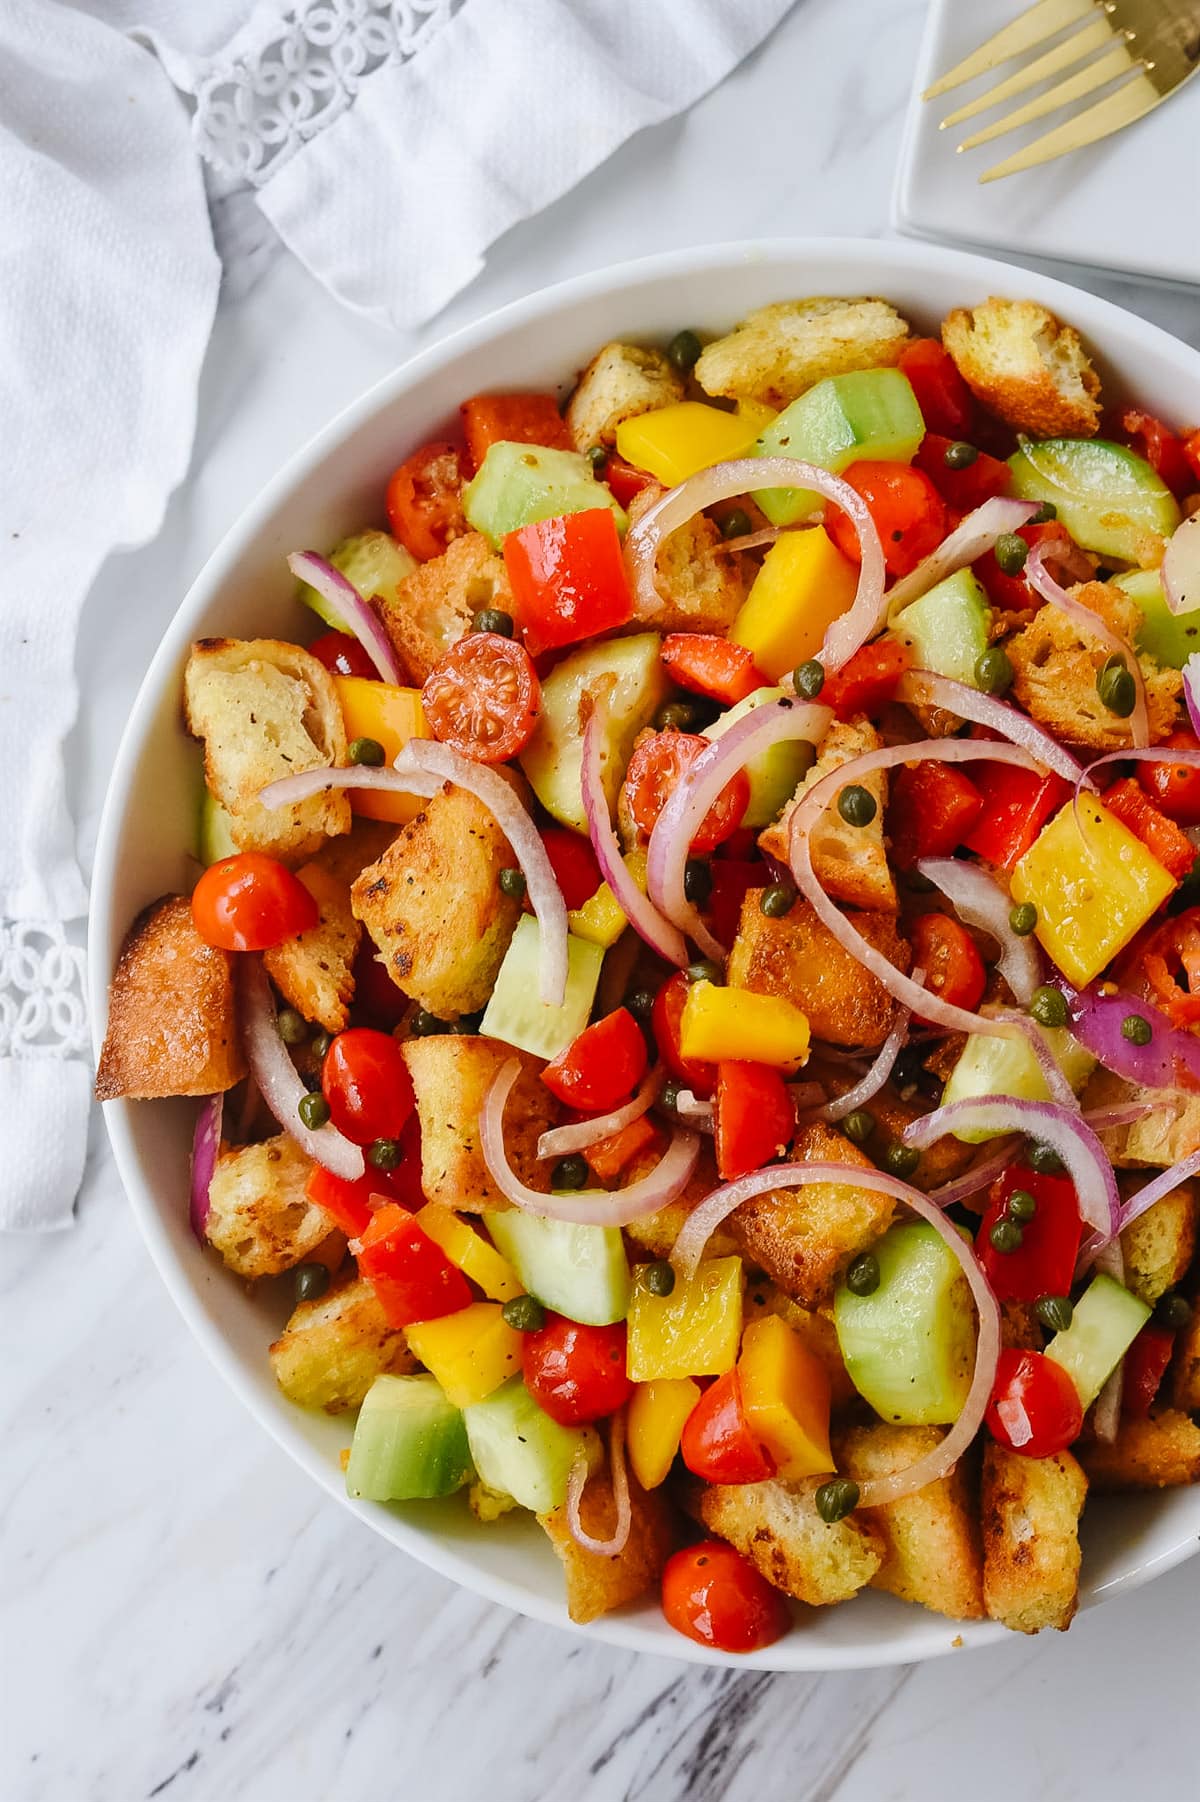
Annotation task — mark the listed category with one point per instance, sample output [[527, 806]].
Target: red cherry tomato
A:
[[732, 880], [1166, 959], [1161, 448], [717, 1443], [1035, 1408], [576, 1373], [249, 902], [365, 1080], [424, 500], [711, 1594], [512, 419], [654, 773], [909, 514], [483, 698], [942, 395], [602, 1067], [573, 862], [1191, 452], [699, 1076], [946, 952], [343, 655], [1174, 788]]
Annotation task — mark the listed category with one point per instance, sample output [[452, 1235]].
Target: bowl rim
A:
[[871, 259]]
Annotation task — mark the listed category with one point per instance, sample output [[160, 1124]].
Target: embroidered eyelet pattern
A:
[[254, 112], [42, 1011]]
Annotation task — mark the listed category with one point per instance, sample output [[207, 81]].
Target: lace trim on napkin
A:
[[255, 111], [42, 1011]]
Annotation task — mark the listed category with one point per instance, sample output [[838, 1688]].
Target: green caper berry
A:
[[859, 1125], [684, 350], [706, 969], [736, 524], [524, 1314], [597, 456], [857, 805], [1023, 918], [1045, 1160], [778, 900], [960, 455], [291, 1026], [862, 1277], [640, 1003], [993, 671], [570, 1172], [1117, 690], [1006, 1236], [366, 751], [313, 1110], [668, 1096], [809, 679], [512, 883], [1045, 513], [1011, 552], [1055, 1312], [659, 1277], [836, 1499], [901, 1160], [321, 1041], [1049, 1006], [697, 881], [310, 1281], [1137, 1029], [384, 1154], [1021, 1207], [1172, 1311], [494, 620], [675, 716], [424, 1025]]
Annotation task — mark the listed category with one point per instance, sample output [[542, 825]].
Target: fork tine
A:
[[1130, 101], [1030, 28], [1114, 62], [1071, 50]]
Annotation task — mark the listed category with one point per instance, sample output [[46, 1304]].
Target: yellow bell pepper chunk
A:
[[756, 413], [694, 1331], [1093, 888], [803, 585], [719, 1024], [654, 1424], [391, 716], [785, 1395], [601, 918], [470, 1353], [472, 1254], [672, 443]]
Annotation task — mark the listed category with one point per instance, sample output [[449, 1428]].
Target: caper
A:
[[809, 679], [736, 524], [1172, 1311], [1137, 1029], [706, 969], [862, 1276], [684, 350], [640, 1003], [993, 671], [495, 620], [1023, 918], [367, 751], [1021, 1207], [1045, 513], [291, 1026], [424, 1025], [960, 455], [310, 1281], [778, 900], [512, 883], [1049, 1006], [1011, 552], [659, 1277], [1006, 1236], [1055, 1312], [1045, 1160], [1117, 689], [597, 456], [313, 1110], [901, 1160], [697, 881], [384, 1154], [524, 1314], [859, 1125], [857, 805], [836, 1499], [321, 1041], [675, 716], [570, 1172], [668, 1096]]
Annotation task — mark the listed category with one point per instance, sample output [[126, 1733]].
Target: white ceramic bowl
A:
[[335, 485]]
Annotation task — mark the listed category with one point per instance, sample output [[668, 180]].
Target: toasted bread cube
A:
[[850, 862], [815, 1327], [1030, 1509], [595, 1584], [776, 1526], [942, 1161], [1159, 1246], [1160, 1138], [489, 1505], [700, 585], [656, 1233], [332, 1349], [451, 1077], [1185, 1369], [266, 709], [314, 970], [433, 607], [804, 1237], [1026, 366], [931, 1548], [1056, 663], [799, 958], [780, 350], [1020, 1329], [620, 380], [365, 843], [1161, 1451], [434, 906], [260, 1219], [172, 1016]]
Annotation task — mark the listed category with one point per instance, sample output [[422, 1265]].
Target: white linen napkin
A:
[[388, 143]]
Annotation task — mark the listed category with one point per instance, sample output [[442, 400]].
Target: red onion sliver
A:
[[981, 900], [699, 1113], [577, 1483], [1181, 567], [588, 1207], [1171, 1059], [1161, 1185], [1191, 690], [869, 1085], [639, 910], [560, 1141], [978, 1177], [753, 541], [287, 790], [350, 606], [279, 1080], [971, 538], [921, 687], [1106, 1119], [1088, 620], [206, 1144]]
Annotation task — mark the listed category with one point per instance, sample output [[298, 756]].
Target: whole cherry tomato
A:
[[249, 902], [424, 500], [365, 1080], [1035, 1407], [343, 655], [576, 1373], [1174, 787], [909, 514], [483, 697], [700, 1077], [711, 1594], [946, 952], [602, 1067], [717, 1442], [654, 773]]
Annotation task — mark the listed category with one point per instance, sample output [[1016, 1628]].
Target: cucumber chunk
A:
[[869, 413], [410, 1443], [990, 1065], [909, 1346], [1107, 497], [948, 627], [579, 1271], [514, 1012], [1106, 1321], [636, 685], [1170, 638], [776, 772], [372, 561], [517, 484], [216, 838], [519, 1451]]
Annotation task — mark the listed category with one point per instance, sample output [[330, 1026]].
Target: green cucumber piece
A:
[[635, 683], [909, 1346], [579, 1271], [870, 413], [514, 1012], [517, 484], [410, 1443], [216, 838], [776, 772], [1106, 1321], [373, 562], [1170, 638], [989, 1065], [948, 627], [519, 1451], [1107, 496]]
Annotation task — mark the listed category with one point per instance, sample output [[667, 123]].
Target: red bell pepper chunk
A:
[[1191, 451], [1161, 836], [754, 1119], [963, 489], [732, 879], [348, 1203], [1016, 805], [512, 419], [574, 864], [1044, 1262], [868, 681], [942, 395], [602, 1067], [710, 665], [1145, 1366], [699, 1075], [568, 579], [608, 1157], [717, 1443], [411, 1275], [1163, 451], [931, 808]]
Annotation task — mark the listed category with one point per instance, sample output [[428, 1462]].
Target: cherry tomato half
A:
[[946, 952], [602, 1067], [574, 864], [483, 698], [909, 514], [1035, 1408], [711, 1594], [249, 902], [343, 655], [576, 1373], [942, 395], [654, 773], [424, 500], [717, 1442], [1174, 787], [1164, 964], [700, 1077], [365, 1080]]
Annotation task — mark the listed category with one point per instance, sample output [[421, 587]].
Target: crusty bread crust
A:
[[776, 1526], [620, 381], [700, 586], [1030, 1509], [781, 350], [850, 862], [798, 958], [332, 1349], [434, 606], [1027, 367], [932, 1553]]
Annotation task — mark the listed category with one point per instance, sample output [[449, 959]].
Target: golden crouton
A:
[[776, 1526], [433, 607], [620, 380], [700, 585], [1161, 1451], [172, 1018], [1160, 1244], [1020, 1329], [850, 862], [434, 906], [803, 1237], [931, 1550], [815, 1327], [942, 1161], [780, 350], [314, 970], [1056, 663], [595, 1584], [332, 1349], [1029, 1513], [451, 1076], [488, 1505], [365, 843], [1185, 1370], [266, 709], [260, 1219], [1161, 1138], [1027, 367], [656, 1233], [799, 958]]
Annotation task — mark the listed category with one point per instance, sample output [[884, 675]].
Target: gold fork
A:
[[1139, 50]]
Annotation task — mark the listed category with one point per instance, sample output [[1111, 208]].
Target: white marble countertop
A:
[[183, 1614]]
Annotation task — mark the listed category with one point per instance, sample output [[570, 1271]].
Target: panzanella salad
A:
[[695, 974]]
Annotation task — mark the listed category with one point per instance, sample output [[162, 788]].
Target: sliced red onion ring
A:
[[588, 1207], [1061, 1092], [677, 825], [1181, 567], [350, 606], [1171, 1060], [206, 1144], [639, 910], [971, 538], [722, 482], [982, 901], [1157, 1187], [752, 541], [577, 1483], [279, 1080], [869, 1085], [560, 1141], [1191, 690], [287, 790], [1066, 1133], [1105, 1119], [921, 687], [1088, 620], [1106, 1415], [978, 1177], [696, 1112]]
